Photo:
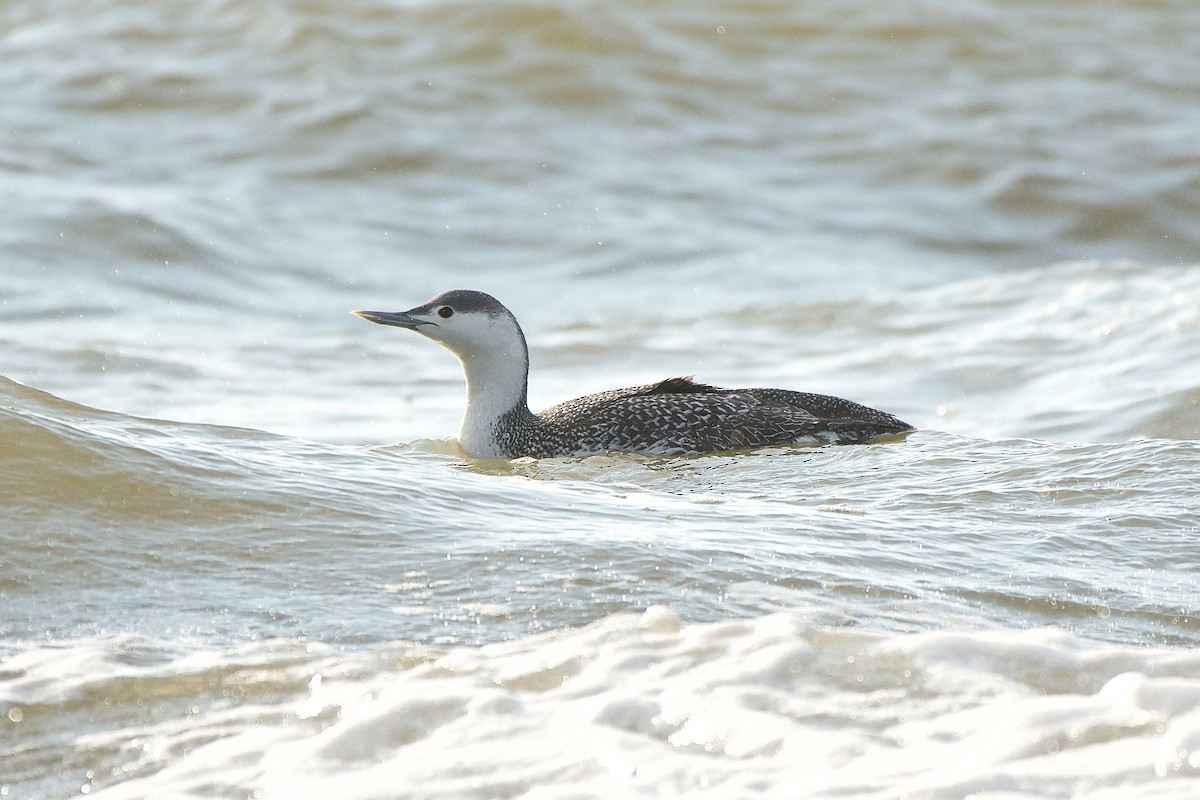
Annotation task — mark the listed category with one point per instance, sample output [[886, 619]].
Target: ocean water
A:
[[242, 557]]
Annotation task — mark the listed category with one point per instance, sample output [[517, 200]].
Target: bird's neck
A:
[[497, 386]]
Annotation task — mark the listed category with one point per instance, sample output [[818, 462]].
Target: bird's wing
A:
[[679, 421]]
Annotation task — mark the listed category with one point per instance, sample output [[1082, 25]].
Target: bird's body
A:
[[674, 416]]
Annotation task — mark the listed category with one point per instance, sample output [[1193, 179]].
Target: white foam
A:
[[777, 706]]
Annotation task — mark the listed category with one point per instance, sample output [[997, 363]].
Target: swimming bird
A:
[[671, 417]]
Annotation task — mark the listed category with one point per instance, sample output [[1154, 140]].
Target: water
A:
[[242, 556]]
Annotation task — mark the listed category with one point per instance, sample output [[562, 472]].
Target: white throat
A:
[[497, 379]]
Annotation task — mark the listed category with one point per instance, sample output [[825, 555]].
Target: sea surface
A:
[[242, 557]]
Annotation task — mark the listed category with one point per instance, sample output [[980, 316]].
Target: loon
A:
[[675, 416]]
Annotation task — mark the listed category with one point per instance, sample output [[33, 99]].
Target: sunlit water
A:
[[242, 556]]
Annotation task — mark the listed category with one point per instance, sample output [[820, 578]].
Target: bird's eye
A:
[[445, 312]]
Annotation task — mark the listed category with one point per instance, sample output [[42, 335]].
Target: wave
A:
[[772, 706]]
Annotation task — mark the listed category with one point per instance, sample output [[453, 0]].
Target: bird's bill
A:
[[398, 318]]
